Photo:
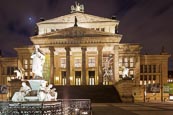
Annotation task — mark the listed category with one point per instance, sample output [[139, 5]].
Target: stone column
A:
[[51, 48], [116, 63], [83, 65], [68, 65], [100, 69]]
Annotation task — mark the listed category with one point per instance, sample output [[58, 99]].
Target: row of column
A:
[[84, 49]]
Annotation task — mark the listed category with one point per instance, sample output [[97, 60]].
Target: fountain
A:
[[37, 91]]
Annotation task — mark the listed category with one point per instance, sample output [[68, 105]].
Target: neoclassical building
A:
[[83, 49]]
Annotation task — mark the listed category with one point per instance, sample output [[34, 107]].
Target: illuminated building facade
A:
[[83, 49]]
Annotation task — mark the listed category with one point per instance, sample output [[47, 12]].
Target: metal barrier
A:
[[59, 107]]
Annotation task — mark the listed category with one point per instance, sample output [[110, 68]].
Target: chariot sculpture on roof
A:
[[77, 7]]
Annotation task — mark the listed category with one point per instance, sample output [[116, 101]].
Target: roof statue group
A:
[[77, 8]]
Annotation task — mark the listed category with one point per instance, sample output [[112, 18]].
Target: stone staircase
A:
[[97, 93]]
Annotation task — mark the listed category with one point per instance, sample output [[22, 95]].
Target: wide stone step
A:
[[97, 93]]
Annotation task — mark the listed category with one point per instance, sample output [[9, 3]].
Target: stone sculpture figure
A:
[[125, 72], [20, 96], [19, 73], [37, 62], [47, 93]]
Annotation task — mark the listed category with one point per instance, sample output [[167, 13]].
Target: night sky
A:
[[148, 22]]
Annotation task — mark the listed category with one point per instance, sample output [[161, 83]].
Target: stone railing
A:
[[59, 107]]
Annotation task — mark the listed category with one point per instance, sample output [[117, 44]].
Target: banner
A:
[[153, 88], [3, 89], [168, 86]]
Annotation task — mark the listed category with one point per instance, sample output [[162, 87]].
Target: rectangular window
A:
[[52, 30], [154, 77], [150, 78], [141, 78], [25, 63], [131, 73], [120, 61], [126, 62], [63, 63], [141, 68], [8, 70], [145, 77], [91, 62], [145, 68], [77, 62], [102, 29], [154, 68], [131, 61], [149, 69]]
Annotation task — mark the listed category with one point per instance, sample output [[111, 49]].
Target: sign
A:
[[3, 89], [166, 89], [168, 86], [153, 88]]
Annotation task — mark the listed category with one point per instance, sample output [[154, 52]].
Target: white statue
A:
[[125, 72], [20, 96], [19, 73], [47, 93], [42, 95], [37, 62], [77, 8]]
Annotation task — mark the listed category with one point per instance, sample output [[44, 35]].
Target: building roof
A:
[[82, 18], [75, 32], [74, 35]]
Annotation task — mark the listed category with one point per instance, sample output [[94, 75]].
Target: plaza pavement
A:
[[132, 108]]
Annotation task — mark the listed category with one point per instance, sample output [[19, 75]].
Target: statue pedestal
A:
[[35, 84]]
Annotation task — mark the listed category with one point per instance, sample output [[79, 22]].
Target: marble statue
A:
[[47, 93], [38, 60], [125, 72], [19, 73], [20, 96]]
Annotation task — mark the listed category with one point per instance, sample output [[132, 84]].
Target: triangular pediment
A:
[[82, 18], [75, 32], [76, 36]]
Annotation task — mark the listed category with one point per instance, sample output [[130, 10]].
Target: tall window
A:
[[154, 68], [31, 64], [141, 79], [10, 70], [25, 64], [126, 62], [141, 68], [149, 69], [63, 74], [91, 62], [145, 68], [77, 62], [132, 73], [120, 61], [91, 77], [63, 62], [131, 61], [78, 77]]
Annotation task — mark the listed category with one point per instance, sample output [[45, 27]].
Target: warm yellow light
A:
[[71, 78], [57, 78]]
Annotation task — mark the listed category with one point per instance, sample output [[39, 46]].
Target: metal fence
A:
[[59, 107]]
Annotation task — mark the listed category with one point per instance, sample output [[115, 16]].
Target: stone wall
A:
[[128, 92]]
